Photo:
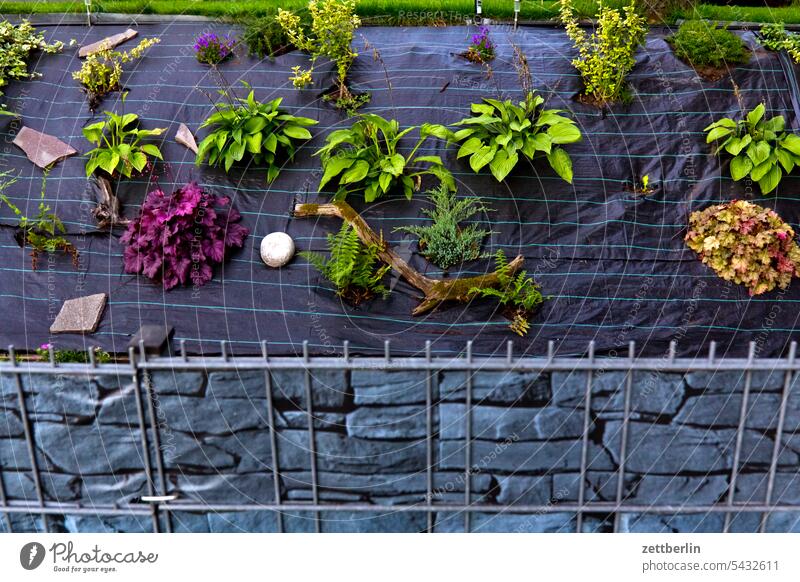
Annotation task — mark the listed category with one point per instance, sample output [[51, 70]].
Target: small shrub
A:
[[481, 49], [44, 232], [178, 238], [444, 242], [210, 49], [330, 35], [364, 158], [776, 38], [705, 44], [499, 131], [518, 294], [746, 244], [761, 148], [607, 55], [266, 38], [352, 266], [119, 150], [101, 71], [248, 128], [16, 45], [72, 356]]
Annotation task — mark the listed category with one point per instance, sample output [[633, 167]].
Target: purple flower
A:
[[211, 49]]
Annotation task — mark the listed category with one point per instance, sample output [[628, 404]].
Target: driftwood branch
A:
[[107, 212], [436, 291]]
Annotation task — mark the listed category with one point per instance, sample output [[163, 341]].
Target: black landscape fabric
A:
[[612, 262]]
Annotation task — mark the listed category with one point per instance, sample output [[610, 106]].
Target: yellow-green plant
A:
[[745, 243], [333, 23], [101, 72], [607, 55], [16, 44]]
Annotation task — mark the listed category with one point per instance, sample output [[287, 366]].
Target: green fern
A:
[[445, 243], [518, 293], [351, 267]]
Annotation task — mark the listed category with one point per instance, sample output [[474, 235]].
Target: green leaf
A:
[[740, 167], [724, 122], [394, 164], [561, 163], [469, 147], [717, 133], [270, 143], [502, 164], [756, 114], [150, 149], [791, 142], [356, 173], [432, 159], [482, 157], [761, 170], [482, 108], [771, 180], [385, 181], [109, 163], [758, 152], [564, 133], [333, 167], [138, 161], [463, 133], [786, 160], [254, 142], [297, 132], [440, 131], [255, 124]]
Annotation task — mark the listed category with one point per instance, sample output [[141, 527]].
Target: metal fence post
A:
[[273, 441], [587, 419], [312, 440]]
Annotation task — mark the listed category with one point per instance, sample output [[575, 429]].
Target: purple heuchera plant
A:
[[179, 237], [210, 48]]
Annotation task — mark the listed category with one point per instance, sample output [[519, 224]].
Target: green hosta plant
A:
[[352, 267], [119, 149], [760, 147], [499, 131], [365, 158], [445, 242], [518, 294], [246, 128], [746, 244], [606, 56]]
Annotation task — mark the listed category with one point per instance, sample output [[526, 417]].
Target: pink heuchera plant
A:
[[179, 237]]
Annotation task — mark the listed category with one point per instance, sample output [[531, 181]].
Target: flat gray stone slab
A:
[[80, 315], [185, 138], [153, 336], [111, 41], [42, 149]]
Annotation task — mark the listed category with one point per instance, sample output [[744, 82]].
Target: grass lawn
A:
[[401, 12]]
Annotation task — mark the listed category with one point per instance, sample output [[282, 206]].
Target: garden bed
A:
[[612, 261]]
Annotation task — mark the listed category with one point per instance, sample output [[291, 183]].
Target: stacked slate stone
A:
[[370, 437]]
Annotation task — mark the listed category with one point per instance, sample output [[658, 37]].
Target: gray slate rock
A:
[[526, 457], [652, 393], [518, 388], [723, 410], [686, 523], [288, 387], [733, 381], [80, 315], [10, 424], [389, 422], [522, 424]]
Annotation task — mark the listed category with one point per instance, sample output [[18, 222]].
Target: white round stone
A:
[[277, 249]]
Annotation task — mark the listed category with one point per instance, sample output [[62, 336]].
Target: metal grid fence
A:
[[158, 504]]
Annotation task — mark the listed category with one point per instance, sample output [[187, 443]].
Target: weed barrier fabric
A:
[[613, 262]]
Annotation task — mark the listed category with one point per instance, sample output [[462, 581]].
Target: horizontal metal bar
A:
[[590, 507], [655, 365]]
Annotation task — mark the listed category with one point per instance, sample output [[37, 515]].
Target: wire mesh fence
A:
[[160, 502]]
